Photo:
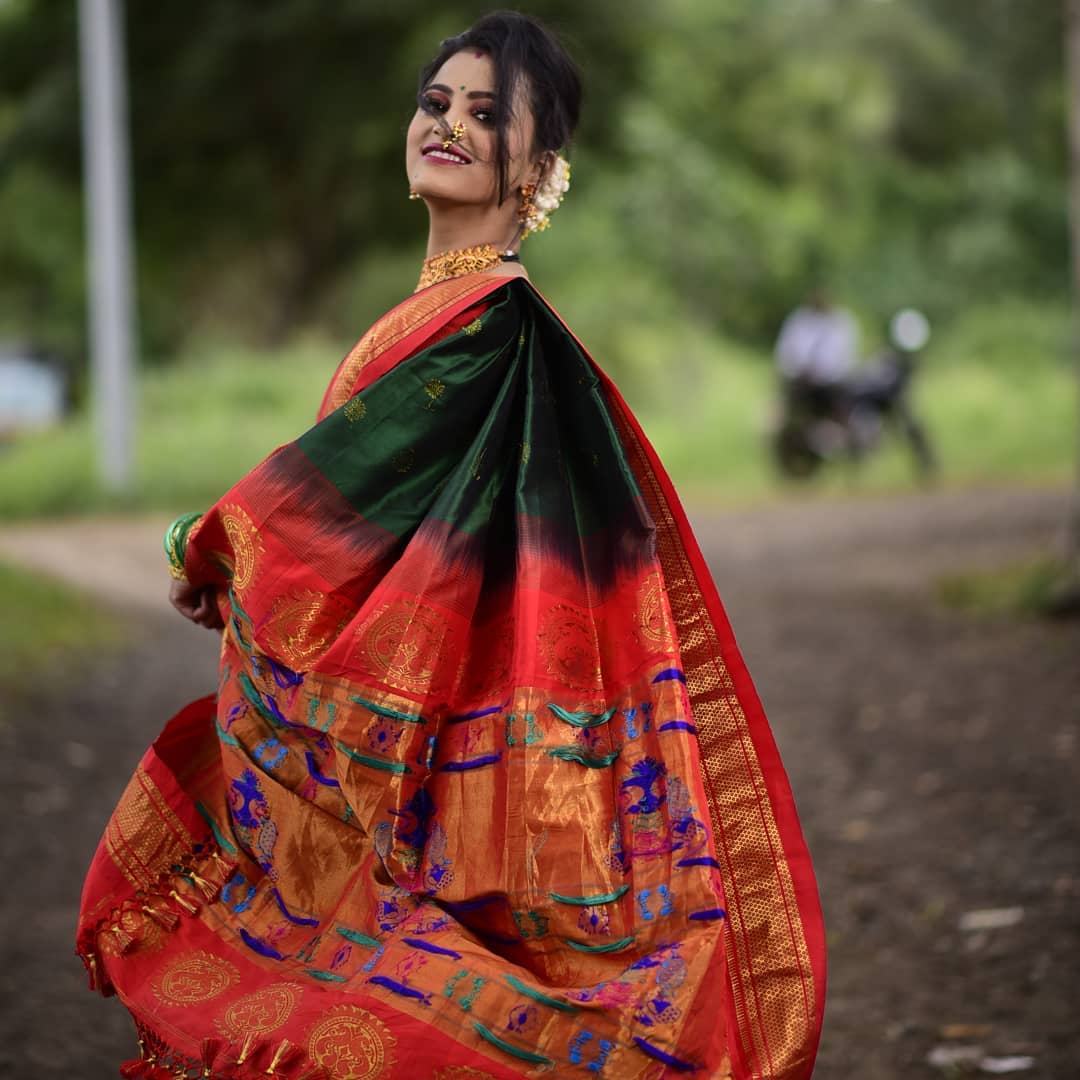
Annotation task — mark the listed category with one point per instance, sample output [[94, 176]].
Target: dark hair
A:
[[522, 50]]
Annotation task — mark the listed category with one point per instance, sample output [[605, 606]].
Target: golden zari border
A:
[[408, 316], [772, 981]]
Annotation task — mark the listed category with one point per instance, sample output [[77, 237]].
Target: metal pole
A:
[[1072, 113], [108, 217]]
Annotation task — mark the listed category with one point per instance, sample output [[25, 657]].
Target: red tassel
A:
[[162, 916], [210, 1050], [124, 940], [132, 1069]]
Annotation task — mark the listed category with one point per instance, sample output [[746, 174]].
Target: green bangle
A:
[[175, 542]]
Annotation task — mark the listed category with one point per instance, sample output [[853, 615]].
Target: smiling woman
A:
[[485, 789]]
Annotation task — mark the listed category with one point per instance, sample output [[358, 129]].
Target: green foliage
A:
[[1025, 588], [910, 151], [45, 623]]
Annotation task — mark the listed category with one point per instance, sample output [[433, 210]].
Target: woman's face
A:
[[462, 92]]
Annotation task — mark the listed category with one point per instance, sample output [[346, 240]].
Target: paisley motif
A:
[[244, 542], [351, 1044], [653, 620]]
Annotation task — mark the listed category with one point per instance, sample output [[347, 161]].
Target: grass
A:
[[999, 403], [1027, 588], [45, 624]]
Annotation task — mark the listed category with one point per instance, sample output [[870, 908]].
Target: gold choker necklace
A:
[[450, 264]]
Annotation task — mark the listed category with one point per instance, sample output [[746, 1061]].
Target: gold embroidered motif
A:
[[474, 327], [526, 450], [144, 836], [434, 388], [568, 643], [351, 1044], [197, 977], [302, 627], [654, 622], [355, 410], [244, 541], [460, 1072], [261, 1012], [452, 264], [404, 460], [402, 644]]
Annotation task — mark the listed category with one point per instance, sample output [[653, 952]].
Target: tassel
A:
[[162, 916], [92, 971], [285, 1051], [131, 1070], [209, 888], [221, 866], [247, 1048], [210, 1050], [124, 940], [186, 904]]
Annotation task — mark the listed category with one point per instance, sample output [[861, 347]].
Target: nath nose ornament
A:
[[457, 133]]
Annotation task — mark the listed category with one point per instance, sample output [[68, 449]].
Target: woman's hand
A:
[[197, 603]]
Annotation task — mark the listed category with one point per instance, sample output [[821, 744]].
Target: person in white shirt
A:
[[818, 344]]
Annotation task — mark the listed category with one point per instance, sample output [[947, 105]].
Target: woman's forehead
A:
[[469, 70]]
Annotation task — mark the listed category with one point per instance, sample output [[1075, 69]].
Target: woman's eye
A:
[[432, 104], [484, 115]]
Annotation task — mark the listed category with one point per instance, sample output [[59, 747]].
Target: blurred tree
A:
[[734, 150]]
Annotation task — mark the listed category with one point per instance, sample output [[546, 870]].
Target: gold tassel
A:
[[209, 888], [282, 1051], [246, 1049], [163, 917], [186, 904], [91, 963]]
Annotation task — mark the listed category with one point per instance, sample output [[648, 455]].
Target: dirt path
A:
[[935, 759]]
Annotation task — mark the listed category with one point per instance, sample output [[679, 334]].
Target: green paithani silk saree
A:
[[484, 789]]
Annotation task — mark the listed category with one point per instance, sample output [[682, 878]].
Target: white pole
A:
[[108, 217]]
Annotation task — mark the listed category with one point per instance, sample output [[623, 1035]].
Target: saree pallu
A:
[[485, 789]]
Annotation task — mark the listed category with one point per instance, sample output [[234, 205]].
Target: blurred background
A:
[[735, 156], [908, 153]]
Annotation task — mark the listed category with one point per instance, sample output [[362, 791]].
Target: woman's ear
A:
[[542, 167]]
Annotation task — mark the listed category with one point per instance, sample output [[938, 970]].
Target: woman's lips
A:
[[435, 153]]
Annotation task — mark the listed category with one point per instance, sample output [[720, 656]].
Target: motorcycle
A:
[[847, 420]]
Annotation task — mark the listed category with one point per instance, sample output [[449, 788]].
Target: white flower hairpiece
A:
[[546, 197]]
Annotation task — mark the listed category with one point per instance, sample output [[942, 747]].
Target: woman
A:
[[485, 790]]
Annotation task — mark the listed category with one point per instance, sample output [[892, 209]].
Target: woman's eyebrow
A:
[[471, 94]]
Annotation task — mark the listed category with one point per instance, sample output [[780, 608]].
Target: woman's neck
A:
[[455, 227]]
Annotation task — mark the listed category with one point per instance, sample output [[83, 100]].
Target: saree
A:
[[485, 789]]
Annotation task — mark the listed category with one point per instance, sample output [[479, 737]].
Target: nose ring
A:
[[457, 133]]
